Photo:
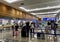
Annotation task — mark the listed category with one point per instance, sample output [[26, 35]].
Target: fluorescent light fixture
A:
[[48, 12], [44, 13], [23, 8], [33, 13], [10, 1], [52, 7], [36, 9]]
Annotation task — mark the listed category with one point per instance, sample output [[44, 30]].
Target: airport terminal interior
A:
[[29, 20]]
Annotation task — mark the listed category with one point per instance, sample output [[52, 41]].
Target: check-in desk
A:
[[5, 27]]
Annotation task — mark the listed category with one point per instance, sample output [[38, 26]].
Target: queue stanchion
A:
[[10, 30], [29, 36], [2, 35], [32, 33], [4, 31], [20, 35]]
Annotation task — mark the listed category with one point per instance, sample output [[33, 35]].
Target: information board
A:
[[46, 19]]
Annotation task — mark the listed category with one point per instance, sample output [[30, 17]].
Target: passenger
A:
[[49, 22], [27, 29], [48, 26], [16, 29], [23, 31], [54, 26], [32, 29], [13, 29]]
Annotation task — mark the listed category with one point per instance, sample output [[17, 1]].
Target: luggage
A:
[[23, 32], [38, 35]]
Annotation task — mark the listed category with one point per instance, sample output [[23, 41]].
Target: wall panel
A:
[[23, 15], [20, 14], [8, 11]]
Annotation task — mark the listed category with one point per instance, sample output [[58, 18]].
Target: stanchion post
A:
[[20, 35], [29, 35]]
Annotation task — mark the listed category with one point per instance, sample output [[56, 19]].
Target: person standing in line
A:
[[54, 26], [48, 27], [16, 29], [32, 29], [27, 29], [13, 30]]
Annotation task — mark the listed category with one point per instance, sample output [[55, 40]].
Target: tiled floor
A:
[[6, 36]]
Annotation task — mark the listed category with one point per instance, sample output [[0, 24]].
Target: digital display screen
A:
[[46, 19]]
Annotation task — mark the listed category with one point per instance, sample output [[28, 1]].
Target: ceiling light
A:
[[55, 12], [44, 13], [23, 8], [10, 1], [52, 7], [33, 13], [36, 9]]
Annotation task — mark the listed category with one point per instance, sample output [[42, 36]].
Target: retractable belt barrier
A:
[[58, 29]]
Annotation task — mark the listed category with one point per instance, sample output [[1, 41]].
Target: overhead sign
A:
[[46, 19]]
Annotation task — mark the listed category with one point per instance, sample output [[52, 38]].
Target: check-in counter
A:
[[5, 26]]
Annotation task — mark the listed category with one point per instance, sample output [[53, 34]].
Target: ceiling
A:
[[35, 6]]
